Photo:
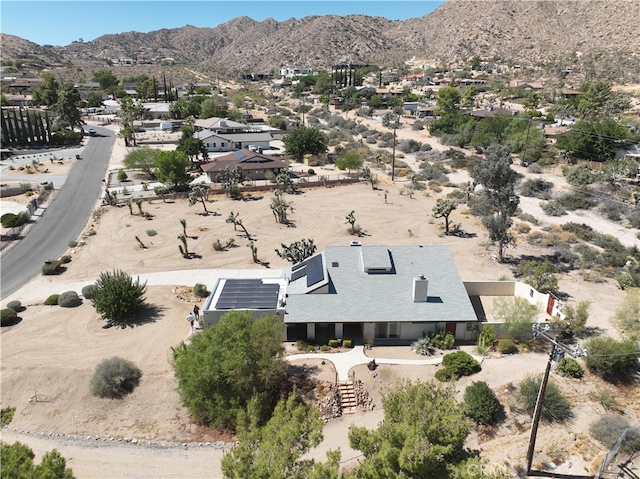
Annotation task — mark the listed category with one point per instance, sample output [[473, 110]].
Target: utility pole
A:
[[557, 352], [393, 157]]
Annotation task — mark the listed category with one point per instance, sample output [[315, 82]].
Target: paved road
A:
[[64, 218]]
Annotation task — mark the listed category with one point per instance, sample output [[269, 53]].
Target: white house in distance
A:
[[219, 134], [389, 294], [289, 72]]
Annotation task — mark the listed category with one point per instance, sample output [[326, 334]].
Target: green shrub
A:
[[555, 407], [52, 267], [69, 299], [6, 415], [8, 316], [487, 337], [334, 343], [347, 343], [311, 348], [507, 346], [73, 244], [200, 290], [151, 232], [301, 345], [537, 187], [52, 300], [65, 259], [570, 367], [114, 378], [609, 358], [553, 208], [577, 200], [482, 404], [607, 400], [89, 291], [325, 348], [118, 297], [456, 365], [15, 305], [608, 429], [441, 339], [311, 171], [445, 375]]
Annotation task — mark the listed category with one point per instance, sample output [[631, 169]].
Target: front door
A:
[[451, 328]]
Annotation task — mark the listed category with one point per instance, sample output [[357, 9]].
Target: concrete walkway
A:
[[343, 362]]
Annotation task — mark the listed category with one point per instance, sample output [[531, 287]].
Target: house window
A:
[[394, 330], [222, 145], [381, 330], [214, 145]]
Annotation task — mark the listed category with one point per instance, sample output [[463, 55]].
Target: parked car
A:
[[92, 132]]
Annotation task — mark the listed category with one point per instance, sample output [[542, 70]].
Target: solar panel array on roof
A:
[[315, 272], [248, 294], [298, 273], [238, 154]]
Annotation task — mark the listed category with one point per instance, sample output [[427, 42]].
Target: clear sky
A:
[[62, 22]]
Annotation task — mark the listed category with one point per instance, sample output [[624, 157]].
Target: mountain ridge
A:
[[599, 34]]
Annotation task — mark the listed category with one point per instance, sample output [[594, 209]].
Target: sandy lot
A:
[[48, 358]]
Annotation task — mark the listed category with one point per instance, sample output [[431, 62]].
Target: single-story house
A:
[[525, 85], [392, 294], [492, 111], [223, 141], [220, 125], [254, 164], [387, 294]]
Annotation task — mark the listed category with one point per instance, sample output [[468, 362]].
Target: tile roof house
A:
[[254, 164]]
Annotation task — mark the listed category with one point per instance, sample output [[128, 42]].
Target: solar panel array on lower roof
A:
[[239, 154], [248, 294], [298, 273]]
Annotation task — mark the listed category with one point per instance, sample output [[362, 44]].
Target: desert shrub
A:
[[555, 407], [334, 343], [456, 365], [577, 200], [52, 267], [118, 296], [324, 348], [89, 291], [423, 346], [607, 400], [6, 415], [486, 338], [52, 300], [441, 339], [534, 168], [609, 358], [507, 346], [15, 305], [69, 299], [8, 316], [537, 188], [581, 230], [522, 228], [580, 175], [482, 404], [518, 315], [565, 255], [311, 348], [347, 343], [541, 275], [200, 290], [114, 378], [73, 244], [151, 232], [528, 218], [553, 208], [65, 259], [627, 317], [570, 367], [409, 146], [311, 171], [301, 345], [608, 429]]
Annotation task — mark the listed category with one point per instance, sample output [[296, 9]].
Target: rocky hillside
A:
[[597, 34]]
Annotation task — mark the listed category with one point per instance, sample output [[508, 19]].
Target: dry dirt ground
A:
[[49, 357]]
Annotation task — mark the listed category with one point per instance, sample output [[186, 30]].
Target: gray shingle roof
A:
[[357, 296]]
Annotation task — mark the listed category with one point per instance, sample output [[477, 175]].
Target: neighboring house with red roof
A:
[[254, 164]]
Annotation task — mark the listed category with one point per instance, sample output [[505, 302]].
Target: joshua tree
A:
[[199, 193], [128, 203], [443, 209], [139, 204], [161, 191], [183, 222], [254, 251], [141, 243], [183, 247], [233, 218], [365, 174], [279, 206], [298, 251]]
